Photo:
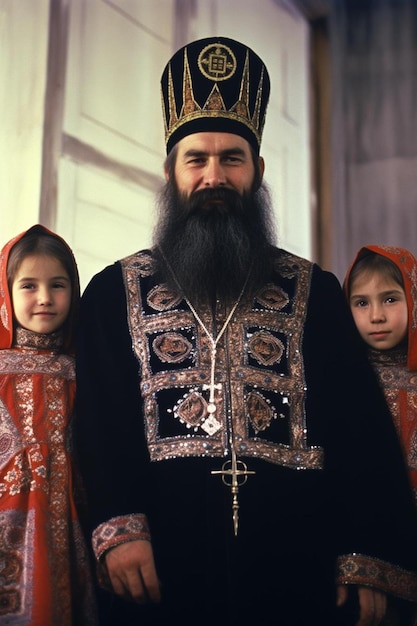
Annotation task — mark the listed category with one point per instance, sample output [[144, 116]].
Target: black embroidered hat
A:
[[215, 84]]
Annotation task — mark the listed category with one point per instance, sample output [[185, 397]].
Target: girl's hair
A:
[[373, 262], [40, 243]]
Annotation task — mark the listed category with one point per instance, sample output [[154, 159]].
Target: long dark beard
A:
[[214, 242]]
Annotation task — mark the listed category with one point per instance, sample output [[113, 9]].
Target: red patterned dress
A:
[[45, 575], [44, 570], [400, 388], [397, 368]]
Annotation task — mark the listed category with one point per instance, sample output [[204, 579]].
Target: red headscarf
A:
[[6, 309], [407, 264]]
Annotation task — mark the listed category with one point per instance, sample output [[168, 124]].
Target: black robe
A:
[[329, 501]]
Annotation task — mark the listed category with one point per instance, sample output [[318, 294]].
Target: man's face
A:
[[215, 227], [209, 160]]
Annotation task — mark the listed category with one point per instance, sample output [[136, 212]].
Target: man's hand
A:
[[372, 603], [131, 572]]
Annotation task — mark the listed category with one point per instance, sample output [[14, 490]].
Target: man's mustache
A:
[[216, 199]]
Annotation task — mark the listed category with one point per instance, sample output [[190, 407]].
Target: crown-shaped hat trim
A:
[[214, 105], [257, 112]]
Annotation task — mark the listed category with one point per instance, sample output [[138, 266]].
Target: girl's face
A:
[[379, 308], [41, 294]]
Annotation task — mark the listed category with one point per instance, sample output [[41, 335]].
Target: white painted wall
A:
[[23, 58], [116, 55]]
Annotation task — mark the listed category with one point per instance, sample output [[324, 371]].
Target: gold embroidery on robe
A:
[[258, 365]]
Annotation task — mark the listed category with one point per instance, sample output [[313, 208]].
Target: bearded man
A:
[[239, 458], [216, 228]]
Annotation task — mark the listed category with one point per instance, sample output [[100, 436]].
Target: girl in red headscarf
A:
[[381, 287], [44, 567]]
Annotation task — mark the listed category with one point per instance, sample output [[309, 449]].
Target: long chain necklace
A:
[[211, 408], [234, 472]]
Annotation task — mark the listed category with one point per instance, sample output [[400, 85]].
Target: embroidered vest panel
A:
[[260, 385]]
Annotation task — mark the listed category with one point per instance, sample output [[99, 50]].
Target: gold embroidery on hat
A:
[[242, 105], [214, 102], [173, 118], [256, 116], [189, 106], [217, 62], [214, 105]]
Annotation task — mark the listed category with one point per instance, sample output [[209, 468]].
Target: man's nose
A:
[[214, 175]]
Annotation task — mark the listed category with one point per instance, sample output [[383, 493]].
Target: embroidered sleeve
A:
[[119, 530], [357, 569]]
